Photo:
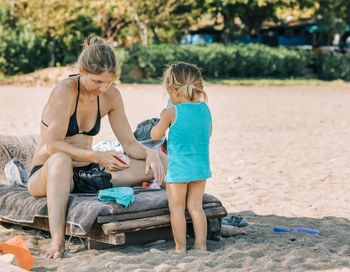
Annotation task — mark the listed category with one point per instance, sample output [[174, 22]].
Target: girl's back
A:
[[188, 146]]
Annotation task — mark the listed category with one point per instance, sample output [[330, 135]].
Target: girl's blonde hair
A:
[[98, 57], [186, 79]]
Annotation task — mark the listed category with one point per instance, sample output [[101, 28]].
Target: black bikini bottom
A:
[[76, 177]]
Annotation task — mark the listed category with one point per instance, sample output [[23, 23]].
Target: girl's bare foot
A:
[[56, 251], [177, 250], [200, 248]]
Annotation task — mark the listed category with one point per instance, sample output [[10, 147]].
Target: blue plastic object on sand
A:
[[310, 231], [121, 195]]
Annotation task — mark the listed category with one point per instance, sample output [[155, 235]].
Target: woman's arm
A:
[[121, 127], [132, 148], [58, 118]]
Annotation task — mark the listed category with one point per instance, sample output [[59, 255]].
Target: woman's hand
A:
[[154, 162], [109, 161]]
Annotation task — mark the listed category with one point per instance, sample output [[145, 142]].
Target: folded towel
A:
[[121, 195]]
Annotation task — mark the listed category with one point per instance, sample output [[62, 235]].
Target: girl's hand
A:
[[163, 113], [154, 162], [109, 161], [167, 116]]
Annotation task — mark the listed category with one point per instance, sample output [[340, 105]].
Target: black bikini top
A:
[[73, 127]]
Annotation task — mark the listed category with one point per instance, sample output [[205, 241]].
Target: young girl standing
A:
[[189, 123]]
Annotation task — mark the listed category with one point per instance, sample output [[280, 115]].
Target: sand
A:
[[279, 156]]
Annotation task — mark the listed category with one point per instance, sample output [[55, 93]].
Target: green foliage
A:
[[63, 23], [122, 56], [223, 61], [66, 48], [334, 15], [21, 50], [330, 67], [165, 20]]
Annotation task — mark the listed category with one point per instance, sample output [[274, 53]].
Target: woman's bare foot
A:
[[56, 251]]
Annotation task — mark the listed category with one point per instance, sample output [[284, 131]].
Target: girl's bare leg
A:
[[54, 180], [195, 194], [176, 193]]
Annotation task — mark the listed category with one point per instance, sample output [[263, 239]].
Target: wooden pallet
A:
[[131, 229]]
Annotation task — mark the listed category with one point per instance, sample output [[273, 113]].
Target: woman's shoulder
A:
[[113, 93], [65, 89], [66, 85]]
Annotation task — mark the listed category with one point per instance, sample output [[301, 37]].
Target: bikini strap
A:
[[98, 105], [44, 123], [72, 75], [76, 104]]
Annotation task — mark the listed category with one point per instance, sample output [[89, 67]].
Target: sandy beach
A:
[[279, 158]]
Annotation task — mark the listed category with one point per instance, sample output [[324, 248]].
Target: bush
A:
[[21, 51], [330, 67], [69, 44], [122, 56], [218, 60]]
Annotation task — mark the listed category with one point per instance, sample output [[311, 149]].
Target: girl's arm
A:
[[167, 117]]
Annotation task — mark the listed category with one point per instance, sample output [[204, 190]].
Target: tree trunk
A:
[[143, 33], [142, 27], [155, 34], [52, 54]]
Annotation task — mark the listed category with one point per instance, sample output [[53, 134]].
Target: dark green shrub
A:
[[330, 67], [122, 56], [67, 46], [217, 60], [22, 51], [153, 59]]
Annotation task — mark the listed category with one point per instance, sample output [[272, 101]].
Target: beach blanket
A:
[[21, 147], [16, 204]]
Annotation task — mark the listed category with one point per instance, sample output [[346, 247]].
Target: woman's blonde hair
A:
[[98, 57], [186, 79]]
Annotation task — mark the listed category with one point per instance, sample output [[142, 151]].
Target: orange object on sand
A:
[[17, 247]]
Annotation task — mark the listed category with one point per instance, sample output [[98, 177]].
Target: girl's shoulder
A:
[[193, 105]]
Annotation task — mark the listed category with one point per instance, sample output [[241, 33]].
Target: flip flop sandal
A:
[[235, 221]]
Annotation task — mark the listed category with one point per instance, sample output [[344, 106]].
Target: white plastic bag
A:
[[16, 173]]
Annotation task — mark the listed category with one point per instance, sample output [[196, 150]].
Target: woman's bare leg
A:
[[54, 180], [176, 193], [136, 173], [195, 194]]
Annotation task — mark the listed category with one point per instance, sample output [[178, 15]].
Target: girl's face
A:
[[97, 84]]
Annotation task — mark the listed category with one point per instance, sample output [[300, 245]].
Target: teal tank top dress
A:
[[188, 143]]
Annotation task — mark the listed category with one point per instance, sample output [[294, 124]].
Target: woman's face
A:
[[97, 83]]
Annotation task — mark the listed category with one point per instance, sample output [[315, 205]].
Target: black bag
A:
[[91, 180]]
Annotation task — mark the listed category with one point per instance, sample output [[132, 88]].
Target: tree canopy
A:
[[158, 21]]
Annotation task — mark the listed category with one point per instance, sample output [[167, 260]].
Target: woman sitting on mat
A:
[[70, 119]]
